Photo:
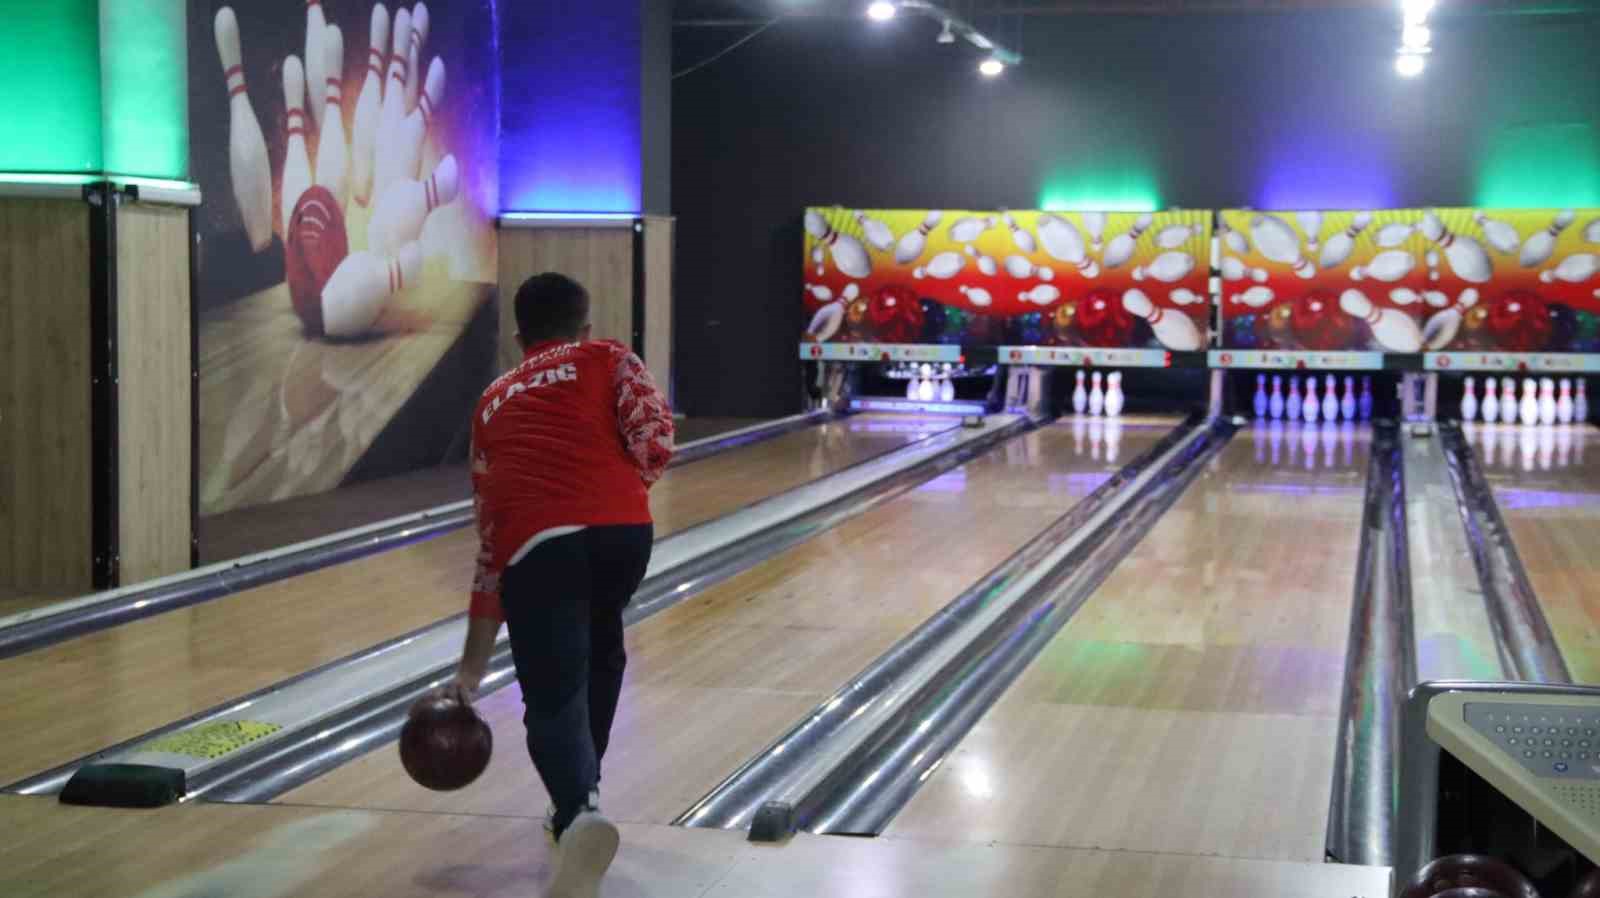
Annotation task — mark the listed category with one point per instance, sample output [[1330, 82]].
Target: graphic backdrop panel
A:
[[1412, 280], [1115, 280]]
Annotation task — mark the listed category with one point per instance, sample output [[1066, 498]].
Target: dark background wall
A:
[[1200, 111]]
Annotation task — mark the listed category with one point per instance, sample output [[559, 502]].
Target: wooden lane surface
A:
[[272, 851], [716, 679], [67, 700], [1549, 495], [1192, 704]]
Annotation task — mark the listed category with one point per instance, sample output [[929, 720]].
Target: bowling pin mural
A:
[[1465, 255], [877, 233], [398, 215], [1502, 237], [1063, 242], [354, 297], [315, 60], [332, 150], [1235, 270], [247, 148], [415, 127], [1341, 245], [1394, 330], [1168, 268], [1542, 244], [1277, 241], [1019, 235], [1095, 224], [369, 107], [913, 244], [1021, 269], [849, 256], [1121, 247], [1175, 330], [419, 38], [393, 111], [296, 161]]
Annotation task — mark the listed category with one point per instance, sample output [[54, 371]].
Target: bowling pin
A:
[[1095, 224], [1574, 269], [927, 391], [1097, 396], [1080, 396], [1232, 239], [848, 254], [1019, 235], [1508, 400], [296, 162], [1491, 401], [354, 297], [1259, 402], [1114, 398], [1167, 268], [1500, 235], [1393, 234], [392, 114], [1063, 242], [1469, 401], [1041, 295], [1174, 236], [1365, 403], [1564, 406], [1175, 330], [1580, 407], [419, 37], [315, 75], [399, 212], [1234, 270], [1388, 266], [878, 235], [1541, 244], [947, 391], [1277, 241], [1330, 399], [1292, 410], [1529, 410], [1347, 405], [1547, 401], [986, 263], [1443, 326], [1591, 231], [1311, 224], [369, 105], [825, 323], [1341, 245], [1183, 296], [914, 242], [1255, 297], [414, 130], [944, 266], [332, 151], [1311, 408], [1465, 255], [1121, 247], [977, 296], [247, 148], [1393, 329], [1020, 267], [969, 229], [912, 385], [1275, 401]]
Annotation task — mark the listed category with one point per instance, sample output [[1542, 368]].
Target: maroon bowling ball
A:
[[1474, 873], [1588, 887], [444, 744]]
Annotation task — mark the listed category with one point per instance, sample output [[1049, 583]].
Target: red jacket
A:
[[573, 436]]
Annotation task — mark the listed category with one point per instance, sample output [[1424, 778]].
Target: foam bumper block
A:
[[124, 786]]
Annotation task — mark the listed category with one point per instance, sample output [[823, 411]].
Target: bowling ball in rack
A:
[[1587, 887], [1469, 876], [444, 744]]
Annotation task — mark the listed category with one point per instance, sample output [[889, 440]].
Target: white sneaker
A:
[[585, 852], [550, 816]]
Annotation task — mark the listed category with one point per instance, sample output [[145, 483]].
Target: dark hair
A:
[[551, 306]]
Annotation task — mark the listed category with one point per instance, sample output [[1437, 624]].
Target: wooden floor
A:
[[272, 851], [70, 699], [1547, 483], [1191, 706], [14, 602], [715, 679]]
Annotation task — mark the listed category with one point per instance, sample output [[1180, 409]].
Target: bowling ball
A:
[[1518, 321], [444, 744], [313, 248], [1469, 871], [1102, 321], [895, 314], [1319, 323], [1563, 327], [1587, 887]]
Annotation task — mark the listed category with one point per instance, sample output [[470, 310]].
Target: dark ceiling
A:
[[732, 12]]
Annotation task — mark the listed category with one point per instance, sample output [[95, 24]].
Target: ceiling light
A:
[[991, 67], [1416, 37], [881, 11], [1409, 65]]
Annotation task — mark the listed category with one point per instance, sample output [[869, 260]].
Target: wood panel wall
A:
[[45, 486], [601, 259], [658, 238], [155, 422]]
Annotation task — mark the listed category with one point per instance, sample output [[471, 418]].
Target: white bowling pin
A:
[[1574, 269], [1020, 267], [820, 292], [1564, 402], [913, 243], [1063, 242], [1258, 402], [399, 212], [247, 148], [912, 385], [1183, 296], [1347, 405], [354, 297], [1019, 235], [1591, 231], [1341, 245], [1174, 236], [968, 229], [1311, 224], [927, 391], [1292, 408], [1080, 395], [944, 266], [1121, 247], [315, 74], [392, 114], [1235, 270], [1393, 329], [1310, 408], [977, 296], [332, 151], [1255, 297], [1500, 235], [1388, 266], [1469, 401], [1168, 268], [369, 105], [1491, 401], [1097, 396], [877, 233], [1278, 242], [1580, 408], [1114, 398], [414, 131], [1508, 400], [1443, 326], [1095, 224], [1275, 401], [296, 162], [1040, 295], [848, 253], [986, 264], [1232, 239], [1330, 399], [419, 38], [1393, 234], [1547, 401], [825, 323], [1529, 410], [1175, 330], [1465, 255], [1542, 243], [947, 391]]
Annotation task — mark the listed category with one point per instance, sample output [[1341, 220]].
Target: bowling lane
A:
[[79, 696], [717, 678], [1546, 481], [1192, 705]]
